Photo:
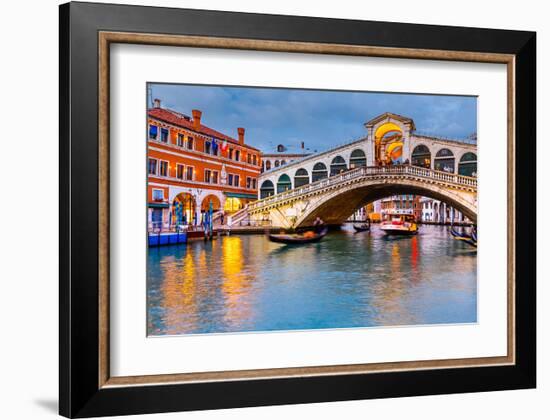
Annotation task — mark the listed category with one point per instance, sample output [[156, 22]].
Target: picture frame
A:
[[87, 31]]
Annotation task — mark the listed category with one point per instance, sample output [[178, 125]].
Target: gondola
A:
[[295, 239], [469, 239], [459, 235], [365, 227], [361, 228]]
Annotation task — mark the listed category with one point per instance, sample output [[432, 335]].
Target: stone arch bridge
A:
[[334, 199], [392, 159]]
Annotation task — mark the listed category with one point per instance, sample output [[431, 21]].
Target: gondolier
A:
[[318, 225]]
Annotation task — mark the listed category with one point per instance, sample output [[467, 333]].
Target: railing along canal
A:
[[366, 171]]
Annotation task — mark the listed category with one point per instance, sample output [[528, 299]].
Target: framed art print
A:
[[262, 209]]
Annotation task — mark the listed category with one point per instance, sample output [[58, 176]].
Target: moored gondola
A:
[[470, 239], [474, 234], [459, 235], [296, 239]]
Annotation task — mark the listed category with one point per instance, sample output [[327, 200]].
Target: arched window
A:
[[267, 189], [357, 159], [337, 165], [283, 184], [468, 164], [267, 165], [444, 161], [263, 167], [283, 162], [301, 177], [421, 156], [319, 172], [277, 163]]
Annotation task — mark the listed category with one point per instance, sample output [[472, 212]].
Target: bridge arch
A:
[[444, 160], [283, 183], [301, 177], [468, 164], [319, 172], [385, 128], [421, 156], [337, 165], [388, 142], [336, 207], [267, 189], [357, 158]]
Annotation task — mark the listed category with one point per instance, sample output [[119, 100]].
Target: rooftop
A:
[[181, 120]]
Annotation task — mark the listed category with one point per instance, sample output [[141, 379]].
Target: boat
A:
[[363, 227], [399, 224], [462, 236], [459, 235], [474, 234], [295, 238]]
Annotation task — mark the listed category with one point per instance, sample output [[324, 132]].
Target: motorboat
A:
[[399, 224]]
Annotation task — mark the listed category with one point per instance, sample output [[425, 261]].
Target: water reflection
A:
[[236, 283], [246, 283]]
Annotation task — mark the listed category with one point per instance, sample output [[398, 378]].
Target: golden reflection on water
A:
[[236, 282], [179, 291], [190, 281]]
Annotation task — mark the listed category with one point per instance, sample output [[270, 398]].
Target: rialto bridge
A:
[[392, 159]]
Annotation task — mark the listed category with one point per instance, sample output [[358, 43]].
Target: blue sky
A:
[[319, 118]]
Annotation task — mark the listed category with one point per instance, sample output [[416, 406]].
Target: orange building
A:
[[192, 167]]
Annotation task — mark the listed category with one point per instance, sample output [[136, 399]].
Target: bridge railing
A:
[[364, 171]]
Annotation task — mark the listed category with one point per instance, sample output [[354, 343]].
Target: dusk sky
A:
[[321, 119]]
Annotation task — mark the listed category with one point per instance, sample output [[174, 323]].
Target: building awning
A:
[[159, 205], [241, 195]]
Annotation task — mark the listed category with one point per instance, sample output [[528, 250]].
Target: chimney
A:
[[156, 103], [196, 119], [240, 130]]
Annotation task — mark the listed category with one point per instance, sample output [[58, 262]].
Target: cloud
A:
[[319, 118]]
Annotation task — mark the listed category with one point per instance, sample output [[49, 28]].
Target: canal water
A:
[[246, 283]]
